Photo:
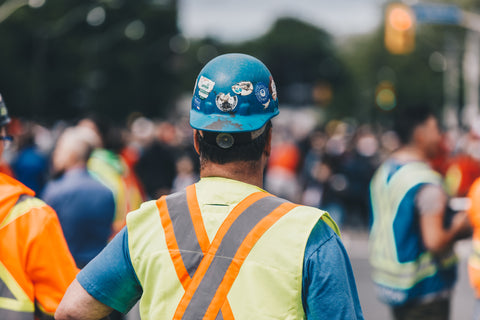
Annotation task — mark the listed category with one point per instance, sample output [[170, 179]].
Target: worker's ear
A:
[[195, 140]]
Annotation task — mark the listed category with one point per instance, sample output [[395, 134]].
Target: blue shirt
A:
[[85, 208], [329, 290], [30, 167]]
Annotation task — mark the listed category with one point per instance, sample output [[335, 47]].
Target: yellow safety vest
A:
[[252, 269], [387, 193]]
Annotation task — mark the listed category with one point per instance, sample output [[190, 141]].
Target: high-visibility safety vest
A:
[[21, 217], [474, 215], [252, 269], [110, 169], [395, 232]]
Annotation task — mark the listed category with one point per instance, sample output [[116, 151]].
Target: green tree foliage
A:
[[73, 57], [303, 60], [416, 78]]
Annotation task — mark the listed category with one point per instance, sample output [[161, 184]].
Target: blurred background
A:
[[340, 68], [61, 59]]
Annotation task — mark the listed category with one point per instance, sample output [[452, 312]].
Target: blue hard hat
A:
[[233, 93]]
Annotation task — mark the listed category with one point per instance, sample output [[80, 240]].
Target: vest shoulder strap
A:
[[207, 271], [24, 204]]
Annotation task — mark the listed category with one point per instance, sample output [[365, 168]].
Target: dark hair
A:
[[407, 119], [110, 132], [248, 151]]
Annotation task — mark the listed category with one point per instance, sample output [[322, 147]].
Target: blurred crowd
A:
[[328, 166]]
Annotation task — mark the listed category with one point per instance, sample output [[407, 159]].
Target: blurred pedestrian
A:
[[411, 237], [156, 165], [223, 247], [84, 205], [35, 264], [281, 177], [185, 173], [107, 165], [30, 164]]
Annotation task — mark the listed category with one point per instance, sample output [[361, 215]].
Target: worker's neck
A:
[[241, 171], [410, 152]]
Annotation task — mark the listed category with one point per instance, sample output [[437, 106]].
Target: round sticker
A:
[[226, 102], [261, 92]]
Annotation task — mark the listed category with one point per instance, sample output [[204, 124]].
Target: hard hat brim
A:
[[229, 122]]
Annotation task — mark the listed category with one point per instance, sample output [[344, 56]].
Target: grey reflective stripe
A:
[[185, 235], [184, 231], [23, 197], [227, 249], [15, 315], [5, 292]]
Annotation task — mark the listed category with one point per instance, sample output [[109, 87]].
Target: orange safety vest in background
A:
[[36, 266], [474, 215]]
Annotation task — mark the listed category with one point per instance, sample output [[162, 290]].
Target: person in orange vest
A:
[[223, 248], [36, 266], [474, 260]]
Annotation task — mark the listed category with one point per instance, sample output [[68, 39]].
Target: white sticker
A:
[[273, 88], [225, 102], [243, 88], [266, 104], [205, 86]]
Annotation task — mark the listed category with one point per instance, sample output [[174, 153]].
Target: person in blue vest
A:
[[412, 231], [223, 248]]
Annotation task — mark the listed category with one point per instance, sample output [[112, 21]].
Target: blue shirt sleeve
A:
[[110, 277], [329, 291]]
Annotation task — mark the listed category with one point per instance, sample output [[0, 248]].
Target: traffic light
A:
[[385, 96], [399, 29]]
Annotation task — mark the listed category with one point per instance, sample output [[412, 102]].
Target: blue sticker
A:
[[262, 93], [196, 102]]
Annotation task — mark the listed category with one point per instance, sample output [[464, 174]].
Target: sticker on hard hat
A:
[[261, 92], [205, 86], [225, 102], [273, 88], [243, 88], [196, 102]]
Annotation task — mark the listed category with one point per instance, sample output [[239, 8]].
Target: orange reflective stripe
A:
[[227, 311], [242, 253], [241, 207], [197, 220], [208, 258], [172, 245]]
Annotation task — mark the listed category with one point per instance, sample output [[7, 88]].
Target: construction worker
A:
[[223, 247], [412, 236], [36, 266], [473, 204]]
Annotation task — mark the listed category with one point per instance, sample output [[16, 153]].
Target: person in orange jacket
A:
[[474, 260], [36, 266]]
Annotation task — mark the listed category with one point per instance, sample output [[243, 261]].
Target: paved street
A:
[[356, 244]]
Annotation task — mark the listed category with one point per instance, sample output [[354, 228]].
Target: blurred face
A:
[[62, 156], [429, 137]]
